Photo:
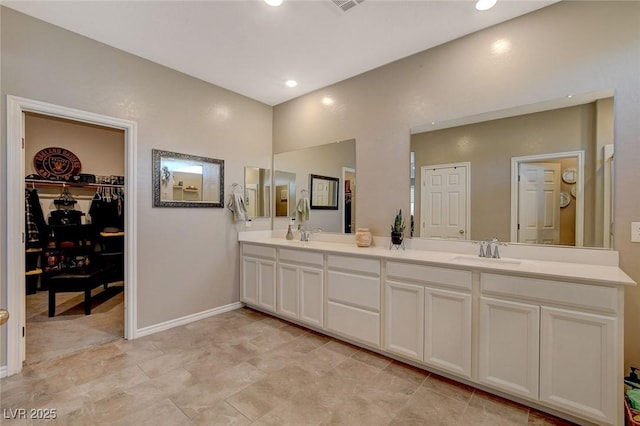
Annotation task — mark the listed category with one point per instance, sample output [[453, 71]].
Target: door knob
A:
[[4, 316], [461, 231]]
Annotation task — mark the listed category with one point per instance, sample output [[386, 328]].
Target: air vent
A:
[[346, 5]]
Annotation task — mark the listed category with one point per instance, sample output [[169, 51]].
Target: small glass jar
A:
[[363, 237]]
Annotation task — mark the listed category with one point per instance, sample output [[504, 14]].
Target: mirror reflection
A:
[[465, 177], [257, 191], [324, 192], [183, 180], [285, 194], [334, 160]]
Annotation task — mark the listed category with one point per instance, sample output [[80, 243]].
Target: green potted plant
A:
[[397, 229]]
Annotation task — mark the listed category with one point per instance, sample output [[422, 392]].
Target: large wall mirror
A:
[[336, 161], [183, 180], [257, 191], [538, 174]]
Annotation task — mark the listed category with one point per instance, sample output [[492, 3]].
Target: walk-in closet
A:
[[74, 235]]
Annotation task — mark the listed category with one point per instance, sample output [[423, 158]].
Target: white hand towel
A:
[[303, 209], [236, 205]]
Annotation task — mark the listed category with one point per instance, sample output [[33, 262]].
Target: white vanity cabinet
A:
[[353, 298], [563, 336], [301, 286], [427, 315], [258, 276], [509, 346]]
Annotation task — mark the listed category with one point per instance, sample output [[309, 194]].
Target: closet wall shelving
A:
[[44, 183]]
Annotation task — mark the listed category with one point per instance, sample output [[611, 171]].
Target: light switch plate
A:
[[635, 232]]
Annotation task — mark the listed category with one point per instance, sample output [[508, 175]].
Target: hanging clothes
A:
[[35, 225], [237, 206], [107, 209]]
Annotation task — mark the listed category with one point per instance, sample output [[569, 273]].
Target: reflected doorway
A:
[[547, 199], [348, 200]]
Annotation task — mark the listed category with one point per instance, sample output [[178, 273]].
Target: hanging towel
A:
[[303, 209], [236, 205]]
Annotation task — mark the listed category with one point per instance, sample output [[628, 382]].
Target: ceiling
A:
[[251, 48]]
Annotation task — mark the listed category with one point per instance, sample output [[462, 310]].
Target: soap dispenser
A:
[[289, 233]]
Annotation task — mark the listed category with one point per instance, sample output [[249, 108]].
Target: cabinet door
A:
[[404, 319], [311, 286], [447, 332], [249, 280], [288, 290], [267, 285], [509, 346], [578, 354]]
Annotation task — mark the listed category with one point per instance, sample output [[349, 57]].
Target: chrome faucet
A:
[[489, 248], [306, 235]]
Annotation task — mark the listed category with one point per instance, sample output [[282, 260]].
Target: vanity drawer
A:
[[354, 322], [355, 290], [297, 256], [356, 264], [258, 251], [429, 274], [565, 293]]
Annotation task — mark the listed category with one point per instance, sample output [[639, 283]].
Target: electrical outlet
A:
[[635, 232]]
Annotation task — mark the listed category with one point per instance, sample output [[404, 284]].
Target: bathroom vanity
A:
[[542, 325]]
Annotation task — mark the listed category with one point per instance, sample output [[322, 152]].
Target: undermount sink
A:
[[476, 260]]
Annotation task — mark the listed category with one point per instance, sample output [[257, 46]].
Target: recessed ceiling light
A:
[[273, 3], [291, 83], [485, 4]]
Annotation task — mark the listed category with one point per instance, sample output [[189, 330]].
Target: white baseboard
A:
[[145, 331], [4, 370]]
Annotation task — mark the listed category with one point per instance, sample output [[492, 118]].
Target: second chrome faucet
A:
[[489, 248]]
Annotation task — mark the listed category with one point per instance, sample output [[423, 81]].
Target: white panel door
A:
[[249, 280], [447, 332], [288, 290], [267, 285], [444, 202], [539, 203], [509, 346], [404, 319], [311, 285], [578, 359]]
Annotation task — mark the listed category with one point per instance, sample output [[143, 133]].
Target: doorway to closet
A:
[[74, 254], [69, 251]]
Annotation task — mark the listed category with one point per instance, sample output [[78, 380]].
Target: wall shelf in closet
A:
[[36, 182]]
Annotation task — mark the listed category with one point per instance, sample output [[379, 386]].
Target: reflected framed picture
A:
[[324, 192]]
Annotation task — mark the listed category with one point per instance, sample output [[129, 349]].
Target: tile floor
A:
[[70, 330], [241, 368]]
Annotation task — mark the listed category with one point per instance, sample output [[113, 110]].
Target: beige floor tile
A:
[[487, 409], [221, 414], [537, 418], [243, 366], [372, 358], [163, 412], [448, 387], [321, 360], [429, 408], [256, 400]]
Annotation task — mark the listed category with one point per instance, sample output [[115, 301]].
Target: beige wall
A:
[[489, 147], [569, 47], [174, 112]]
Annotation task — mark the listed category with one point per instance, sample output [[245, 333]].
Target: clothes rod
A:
[[34, 182]]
